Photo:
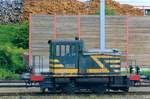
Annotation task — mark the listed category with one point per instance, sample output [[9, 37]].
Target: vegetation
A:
[[16, 34], [145, 72], [13, 40], [6, 74], [20, 37], [10, 58]]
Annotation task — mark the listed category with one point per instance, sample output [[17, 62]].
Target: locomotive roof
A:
[[64, 41]]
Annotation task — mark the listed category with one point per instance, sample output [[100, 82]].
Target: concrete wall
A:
[[139, 34]]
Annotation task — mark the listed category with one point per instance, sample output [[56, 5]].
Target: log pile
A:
[[10, 11], [122, 9], [61, 7]]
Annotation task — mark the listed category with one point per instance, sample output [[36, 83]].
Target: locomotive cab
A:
[[64, 56]]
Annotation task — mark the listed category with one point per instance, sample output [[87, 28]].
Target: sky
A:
[[132, 2], [136, 2]]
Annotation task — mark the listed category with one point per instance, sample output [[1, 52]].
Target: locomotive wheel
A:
[[100, 89], [126, 89], [132, 83], [52, 90], [69, 88], [43, 90]]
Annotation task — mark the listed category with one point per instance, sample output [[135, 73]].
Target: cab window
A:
[[65, 50]]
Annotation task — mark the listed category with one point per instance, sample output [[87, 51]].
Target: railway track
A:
[[19, 88], [21, 83], [81, 93]]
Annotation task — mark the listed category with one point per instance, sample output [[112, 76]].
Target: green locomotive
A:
[[73, 69]]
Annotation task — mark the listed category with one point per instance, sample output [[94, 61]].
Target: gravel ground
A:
[[79, 97], [17, 90], [141, 89]]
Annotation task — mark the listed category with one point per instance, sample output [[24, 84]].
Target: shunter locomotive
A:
[[72, 69]]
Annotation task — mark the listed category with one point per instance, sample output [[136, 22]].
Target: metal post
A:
[[102, 25]]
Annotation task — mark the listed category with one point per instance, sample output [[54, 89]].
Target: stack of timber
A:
[[10, 11], [59, 7], [72, 7], [123, 9]]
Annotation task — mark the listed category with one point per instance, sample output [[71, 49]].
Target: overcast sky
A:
[[133, 2], [136, 2]]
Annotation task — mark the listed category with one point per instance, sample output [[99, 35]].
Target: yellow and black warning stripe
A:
[[64, 71], [112, 61], [97, 71], [56, 65], [54, 60]]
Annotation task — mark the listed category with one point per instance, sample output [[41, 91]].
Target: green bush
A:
[[13, 37], [10, 58], [6, 74], [20, 37], [17, 34]]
